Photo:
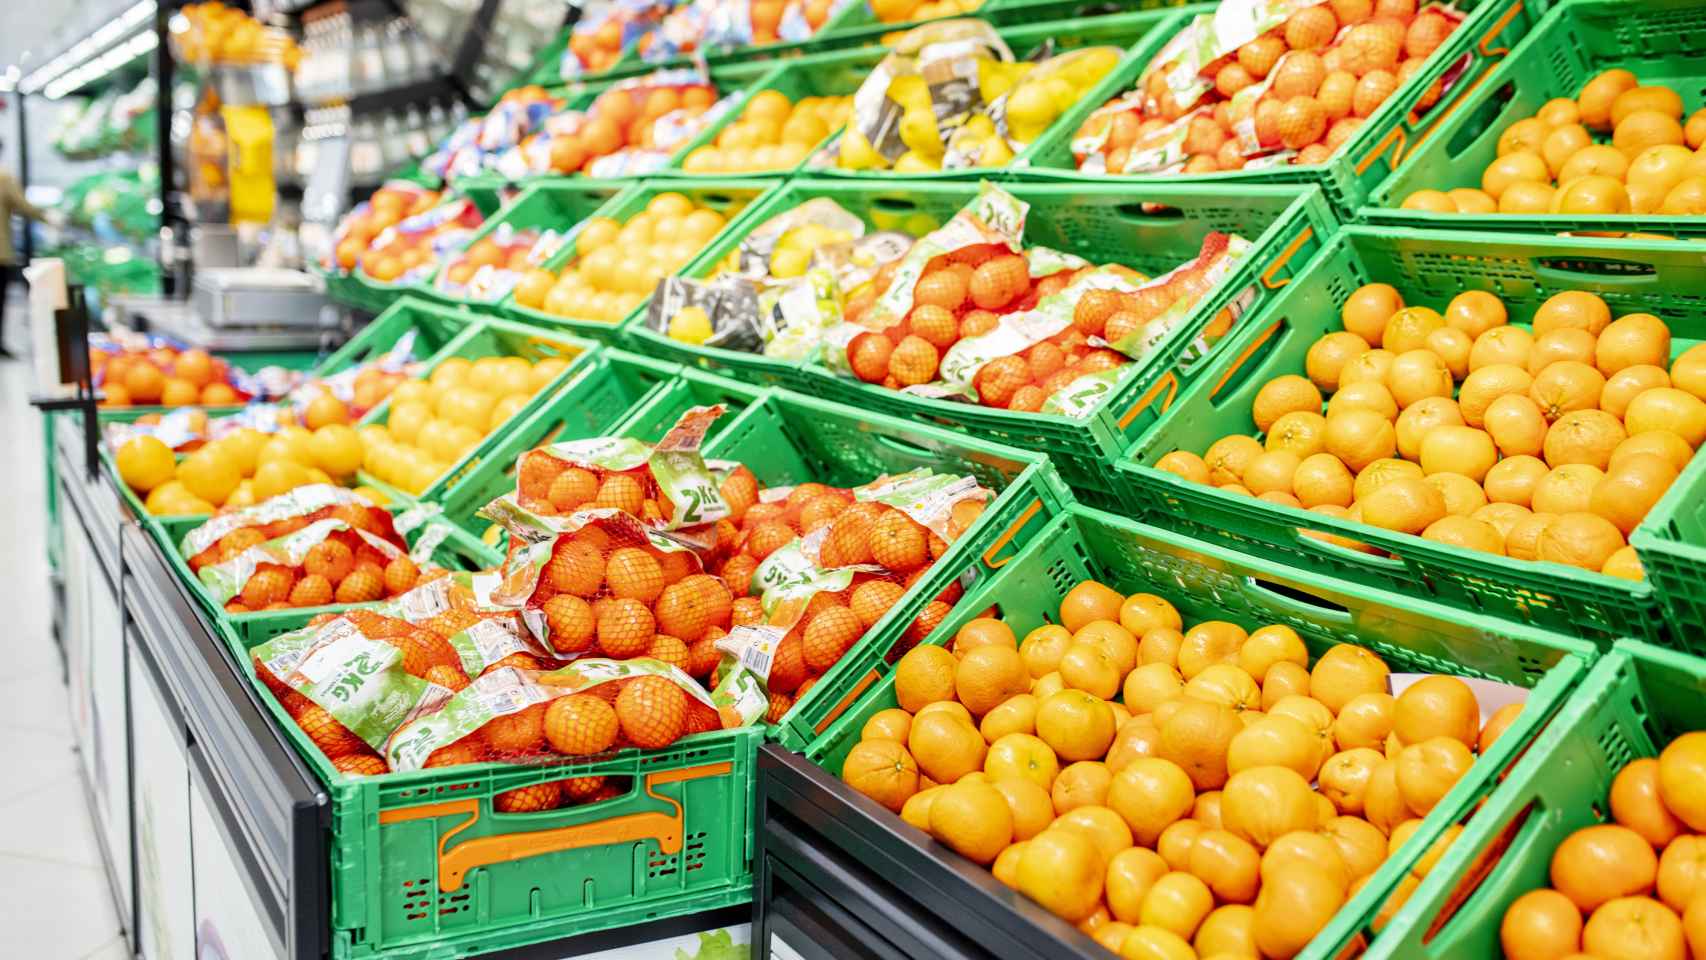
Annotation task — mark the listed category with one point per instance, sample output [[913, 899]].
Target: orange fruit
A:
[[1150, 794], [1075, 724], [1021, 756], [1367, 310], [1631, 488], [1079, 784], [1407, 505], [1062, 871], [1682, 865], [1428, 770], [652, 712], [883, 771], [946, 747], [1088, 601], [1462, 450], [1030, 806], [513, 733], [1017, 715], [891, 724], [1196, 738], [972, 818], [1628, 928], [924, 675], [1540, 925], [1274, 740], [1682, 770], [1346, 671], [1177, 902], [1579, 539], [1668, 408], [1043, 648], [1130, 875], [1437, 706], [1292, 907], [1344, 777], [580, 724], [692, 605]]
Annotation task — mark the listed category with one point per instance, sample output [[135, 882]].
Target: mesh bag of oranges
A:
[[389, 205], [970, 313], [308, 547], [1176, 790], [600, 38], [904, 122], [412, 249], [813, 568], [492, 265], [664, 485], [635, 126], [591, 707], [483, 634], [349, 682], [599, 583], [477, 145], [729, 24], [1264, 82]]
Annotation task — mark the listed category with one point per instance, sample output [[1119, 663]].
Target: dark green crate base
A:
[[1209, 583], [1658, 40], [1635, 701], [1428, 269]]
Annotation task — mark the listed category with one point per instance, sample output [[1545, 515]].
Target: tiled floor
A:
[[55, 903]]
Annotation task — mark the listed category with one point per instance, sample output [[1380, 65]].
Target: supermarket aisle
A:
[[54, 899]]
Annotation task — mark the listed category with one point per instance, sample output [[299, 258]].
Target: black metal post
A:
[[163, 80], [29, 246]]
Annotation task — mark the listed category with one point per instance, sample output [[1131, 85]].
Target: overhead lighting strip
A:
[[87, 52]]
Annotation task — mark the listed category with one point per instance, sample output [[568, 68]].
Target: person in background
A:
[[11, 202]]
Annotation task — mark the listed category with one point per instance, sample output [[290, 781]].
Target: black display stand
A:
[[835, 875]]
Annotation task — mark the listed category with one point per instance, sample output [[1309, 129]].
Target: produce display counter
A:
[[214, 832]]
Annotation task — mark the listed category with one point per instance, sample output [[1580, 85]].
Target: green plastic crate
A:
[[434, 329], [1138, 35], [1662, 41], [1485, 36], [556, 203], [1428, 269], [345, 289], [1671, 543], [1287, 225], [788, 439], [488, 337], [456, 551], [830, 74], [732, 197], [623, 394], [423, 867], [1633, 702], [1208, 583]]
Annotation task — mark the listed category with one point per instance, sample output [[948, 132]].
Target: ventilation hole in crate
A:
[[454, 904]]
